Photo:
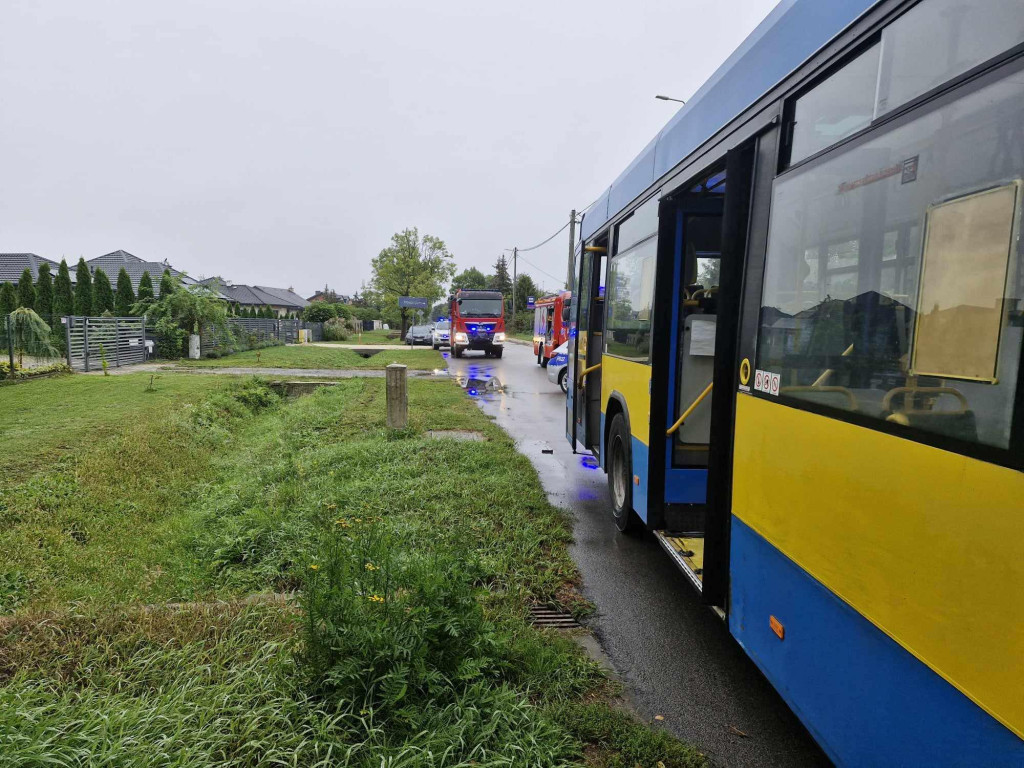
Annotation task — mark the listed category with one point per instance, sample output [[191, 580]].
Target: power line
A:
[[545, 242], [548, 274]]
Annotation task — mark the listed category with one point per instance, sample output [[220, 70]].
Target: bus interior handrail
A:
[[693, 406]]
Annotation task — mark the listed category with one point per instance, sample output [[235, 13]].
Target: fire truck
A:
[[478, 322], [550, 325]]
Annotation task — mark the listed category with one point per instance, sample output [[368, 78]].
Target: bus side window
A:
[[893, 280]]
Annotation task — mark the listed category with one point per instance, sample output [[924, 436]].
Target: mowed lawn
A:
[[336, 593], [309, 356], [45, 419], [370, 337]]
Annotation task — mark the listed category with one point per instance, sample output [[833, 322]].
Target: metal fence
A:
[[258, 329], [118, 341]]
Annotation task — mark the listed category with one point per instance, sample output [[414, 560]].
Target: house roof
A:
[[259, 295], [13, 264], [112, 263], [284, 297]]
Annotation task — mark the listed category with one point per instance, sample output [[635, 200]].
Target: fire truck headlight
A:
[[461, 338], [499, 338]]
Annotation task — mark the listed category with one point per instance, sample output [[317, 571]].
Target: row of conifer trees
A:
[[91, 294]]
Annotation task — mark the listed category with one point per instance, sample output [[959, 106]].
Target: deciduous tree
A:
[[525, 288], [411, 266], [319, 312], [471, 279]]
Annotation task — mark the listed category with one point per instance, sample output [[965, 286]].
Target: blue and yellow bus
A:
[[796, 351]]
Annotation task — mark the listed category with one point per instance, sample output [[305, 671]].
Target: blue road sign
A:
[[531, 302]]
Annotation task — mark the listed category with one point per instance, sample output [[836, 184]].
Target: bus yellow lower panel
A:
[[926, 544]]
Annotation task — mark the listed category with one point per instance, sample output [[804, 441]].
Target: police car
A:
[[557, 366]]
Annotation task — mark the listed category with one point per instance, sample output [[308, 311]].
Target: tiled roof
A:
[[13, 264], [283, 297], [111, 264], [260, 295]]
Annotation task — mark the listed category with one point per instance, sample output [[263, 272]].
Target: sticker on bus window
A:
[[767, 382]]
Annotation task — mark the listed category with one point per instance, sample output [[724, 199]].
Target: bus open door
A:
[[586, 316]]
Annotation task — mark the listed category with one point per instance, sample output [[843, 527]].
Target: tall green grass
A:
[[410, 563]]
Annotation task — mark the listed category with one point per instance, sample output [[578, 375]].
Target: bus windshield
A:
[[480, 307]]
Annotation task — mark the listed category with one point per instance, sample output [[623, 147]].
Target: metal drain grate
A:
[[542, 616]]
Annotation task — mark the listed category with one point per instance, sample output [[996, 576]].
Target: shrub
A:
[[170, 339], [30, 373], [319, 312], [336, 329], [212, 354]]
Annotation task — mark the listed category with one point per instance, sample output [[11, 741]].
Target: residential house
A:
[[13, 264], [111, 263], [282, 300]]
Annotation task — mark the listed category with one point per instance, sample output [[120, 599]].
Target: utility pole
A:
[[572, 250], [515, 256]]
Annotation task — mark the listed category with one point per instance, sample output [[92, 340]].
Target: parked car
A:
[[558, 365], [419, 334], [442, 329]]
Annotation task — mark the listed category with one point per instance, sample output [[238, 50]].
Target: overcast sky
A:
[[282, 143]]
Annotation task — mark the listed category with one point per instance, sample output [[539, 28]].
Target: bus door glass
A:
[[584, 381], [698, 258], [577, 346]]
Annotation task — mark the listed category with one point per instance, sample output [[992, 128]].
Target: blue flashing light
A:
[[471, 392]]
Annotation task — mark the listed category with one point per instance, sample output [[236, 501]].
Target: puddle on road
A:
[[480, 380]]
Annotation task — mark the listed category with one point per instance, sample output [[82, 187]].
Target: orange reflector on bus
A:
[[636, 479], [777, 627]]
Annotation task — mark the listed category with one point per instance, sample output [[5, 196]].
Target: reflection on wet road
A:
[[675, 656]]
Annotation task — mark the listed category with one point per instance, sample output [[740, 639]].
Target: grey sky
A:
[[282, 143]]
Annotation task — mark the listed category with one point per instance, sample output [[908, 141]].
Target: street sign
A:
[[531, 302], [413, 303]]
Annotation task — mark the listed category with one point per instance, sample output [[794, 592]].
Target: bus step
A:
[[687, 552]]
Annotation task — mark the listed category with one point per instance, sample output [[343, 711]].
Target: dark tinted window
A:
[[839, 106], [893, 284]]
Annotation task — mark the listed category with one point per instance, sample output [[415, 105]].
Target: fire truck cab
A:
[[478, 322]]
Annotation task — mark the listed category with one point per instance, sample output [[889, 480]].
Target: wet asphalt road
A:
[[676, 657]]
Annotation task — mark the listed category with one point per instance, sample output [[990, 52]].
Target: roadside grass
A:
[[103, 522], [423, 359], [369, 337], [413, 562], [44, 420]]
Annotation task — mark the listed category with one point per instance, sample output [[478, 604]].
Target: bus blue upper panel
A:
[[790, 34]]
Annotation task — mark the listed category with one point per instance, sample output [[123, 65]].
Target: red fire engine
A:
[[478, 322], [550, 325]]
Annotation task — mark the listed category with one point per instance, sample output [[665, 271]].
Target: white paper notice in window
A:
[[702, 337]]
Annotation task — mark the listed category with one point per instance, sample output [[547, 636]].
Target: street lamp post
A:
[[669, 98]]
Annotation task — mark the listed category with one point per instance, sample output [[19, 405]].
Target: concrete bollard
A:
[[398, 396]]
